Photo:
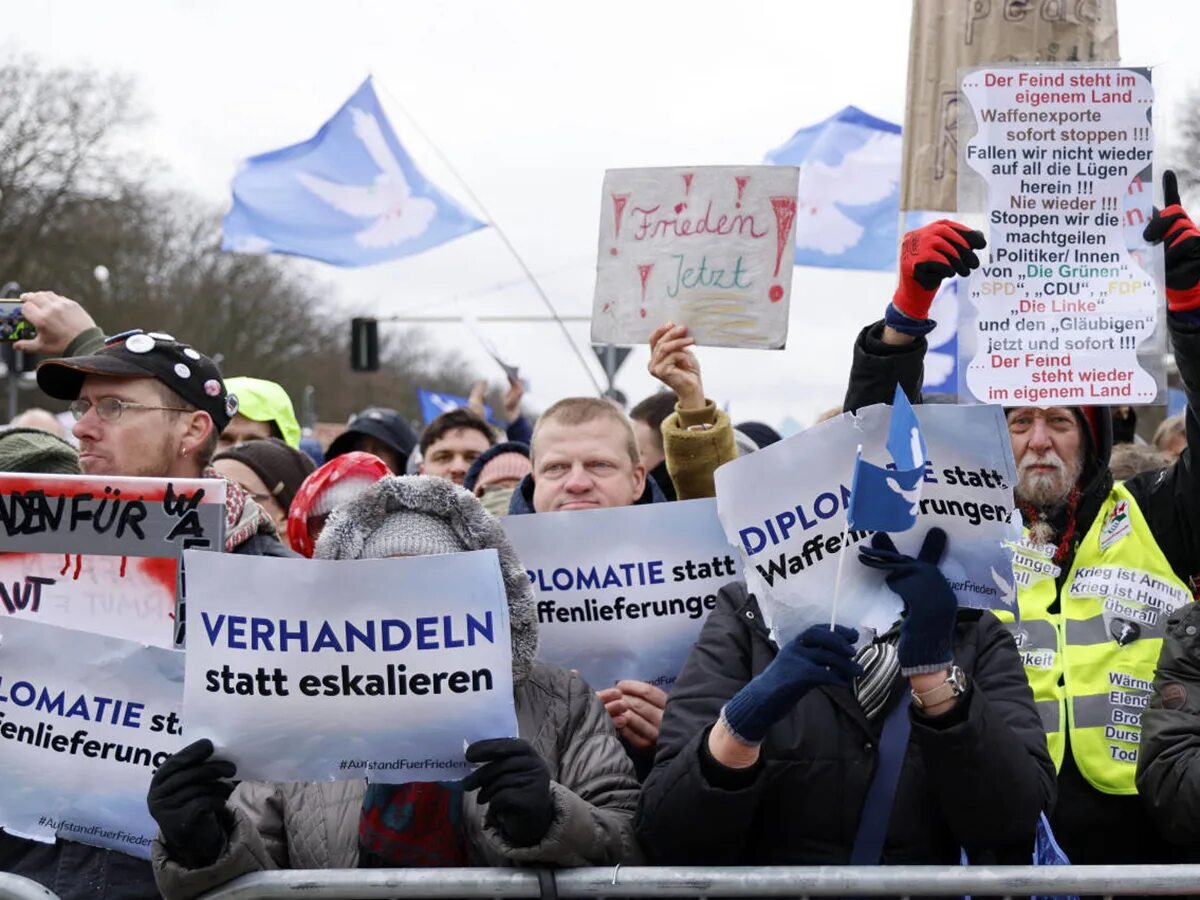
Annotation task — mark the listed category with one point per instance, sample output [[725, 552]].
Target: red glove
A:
[[1175, 227], [927, 256]]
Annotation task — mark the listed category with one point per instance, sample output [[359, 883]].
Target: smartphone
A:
[[13, 326]]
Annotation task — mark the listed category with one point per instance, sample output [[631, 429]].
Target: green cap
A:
[[266, 401], [37, 452]]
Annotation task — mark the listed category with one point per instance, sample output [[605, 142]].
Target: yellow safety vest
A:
[[1091, 664]]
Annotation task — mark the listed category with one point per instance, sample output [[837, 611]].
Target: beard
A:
[[1046, 488]]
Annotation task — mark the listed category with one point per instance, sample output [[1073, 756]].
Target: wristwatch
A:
[[955, 685]]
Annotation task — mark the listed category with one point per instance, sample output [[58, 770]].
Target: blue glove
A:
[[930, 607], [818, 656]]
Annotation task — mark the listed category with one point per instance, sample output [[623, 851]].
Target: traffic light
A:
[[364, 345]]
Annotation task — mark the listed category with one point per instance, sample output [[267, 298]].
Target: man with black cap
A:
[[148, 405], [145, 404], [1089, 654], [380, 431]]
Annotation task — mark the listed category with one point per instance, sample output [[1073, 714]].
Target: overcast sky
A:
[[531, 102]]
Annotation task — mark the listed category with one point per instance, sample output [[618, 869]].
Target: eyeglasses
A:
[[109, 409]]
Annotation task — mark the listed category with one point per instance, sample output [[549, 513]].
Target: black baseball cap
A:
[[141, 354], [385, 425]]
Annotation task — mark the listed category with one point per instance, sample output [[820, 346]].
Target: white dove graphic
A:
[[865, 175], [443, 403], [1007, 595], [398, 215], [913, 496]]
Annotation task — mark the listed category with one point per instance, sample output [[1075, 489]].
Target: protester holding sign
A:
[[1102, 566], [146, 405], [562, 793], [767, 753], [696, 437]]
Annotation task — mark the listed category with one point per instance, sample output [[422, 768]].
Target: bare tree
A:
[[71, 198]]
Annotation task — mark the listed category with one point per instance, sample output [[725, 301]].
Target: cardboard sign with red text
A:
[[709, 247], [99, 553]]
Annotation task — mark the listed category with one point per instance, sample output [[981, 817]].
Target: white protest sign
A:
[[311, 670], [785, 509], [84, 722], [623, 592], [709, 247], [1066, 310], [100, 554]]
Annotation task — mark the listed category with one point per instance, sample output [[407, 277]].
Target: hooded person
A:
[[496, 473], [338, 481], [561, 794], [264, 411], [1090, 657]]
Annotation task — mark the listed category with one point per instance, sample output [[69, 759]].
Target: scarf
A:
[[881, 664], [1044, 524], [243, 517], [414, 825]]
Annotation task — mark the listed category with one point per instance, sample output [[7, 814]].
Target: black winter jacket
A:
[[1093, 828], [975, 778]]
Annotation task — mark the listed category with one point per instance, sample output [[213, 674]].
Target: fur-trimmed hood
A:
[[351, 525]]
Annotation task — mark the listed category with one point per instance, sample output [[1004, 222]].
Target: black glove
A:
[[187, 799], [515, 784], [930, 607], [1173, 225]]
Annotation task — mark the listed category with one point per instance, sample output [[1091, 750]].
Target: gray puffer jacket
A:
[[315, 826]]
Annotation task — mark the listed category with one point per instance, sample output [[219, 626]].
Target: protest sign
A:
[[946, 37], [84, 722], [1065, 312], [623, 592], [311, 670], [707, 247], [785, 509], [99, 553]]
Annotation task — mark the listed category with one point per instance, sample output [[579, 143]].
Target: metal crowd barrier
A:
[[14, 887], [717, 881]]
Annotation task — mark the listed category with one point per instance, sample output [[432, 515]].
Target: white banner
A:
[[1065, 312], [709, 247], [101, 554], [84, 722], [785, 509], [623, 592], [312, 670]]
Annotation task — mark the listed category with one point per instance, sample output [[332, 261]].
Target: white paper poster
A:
[[709, 247], [85, 720], [785, 508], [623, 592], [100, 554], [1065, 312], [312, 670]]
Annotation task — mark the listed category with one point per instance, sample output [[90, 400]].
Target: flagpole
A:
[[499, 233], [837, 581]]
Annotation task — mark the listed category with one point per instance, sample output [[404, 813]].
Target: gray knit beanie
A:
[[36, 451], [419, 515]]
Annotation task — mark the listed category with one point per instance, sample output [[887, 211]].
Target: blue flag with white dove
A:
[[848, 205], [434, 403], [349, 196], [888, 499]]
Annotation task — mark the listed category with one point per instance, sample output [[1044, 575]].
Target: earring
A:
[[183, 451]]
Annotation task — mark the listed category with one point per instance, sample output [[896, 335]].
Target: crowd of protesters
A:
[[760, 754]]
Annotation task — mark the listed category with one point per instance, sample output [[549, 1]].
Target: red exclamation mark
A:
[[741, 188], [785, 215], [687, 184], [644, 270], [618, 202]]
